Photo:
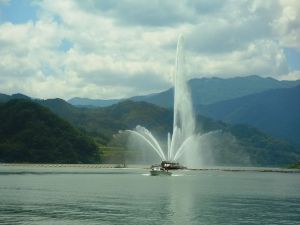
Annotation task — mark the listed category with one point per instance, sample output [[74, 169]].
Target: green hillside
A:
[[235, 145], [31, 133], [276, 112], [294, 166], [106, 121]]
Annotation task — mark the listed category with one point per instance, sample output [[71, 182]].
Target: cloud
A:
[[141, 12], [293, 75], [262, 57], [233, 26], [287, 25], [220, 36], [147, 81], [115, 49]]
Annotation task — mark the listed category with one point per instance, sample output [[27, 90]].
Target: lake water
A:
[[71, 196]]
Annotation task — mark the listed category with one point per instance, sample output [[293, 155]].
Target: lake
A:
[[73, 196]]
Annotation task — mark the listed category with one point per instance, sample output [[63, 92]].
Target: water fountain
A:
[[183, 122]]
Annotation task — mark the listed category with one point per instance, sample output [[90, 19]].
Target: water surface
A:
[[74, 196]]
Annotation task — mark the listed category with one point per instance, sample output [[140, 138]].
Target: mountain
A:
[[31, 133], [294, 166], [107, 121], [211, 90], [276, 112], [5, 98], [92, 102], [232, 145], [235, 144], [204, 91]]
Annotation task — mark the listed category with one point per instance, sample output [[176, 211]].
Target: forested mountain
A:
[[107, 121], [32, 133], [276, 112], [5, 98], [235, 144]]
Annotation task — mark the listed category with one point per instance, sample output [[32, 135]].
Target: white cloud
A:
[[142, 12], [117, 52], [293, 75], [263, 58], [287, 25]]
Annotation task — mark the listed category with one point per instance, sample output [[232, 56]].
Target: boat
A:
[[171, 165], [159, 171]]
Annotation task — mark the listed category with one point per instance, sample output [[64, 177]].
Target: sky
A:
[[120, 48]]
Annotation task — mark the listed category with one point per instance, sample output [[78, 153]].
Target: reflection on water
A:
[[117, 196]]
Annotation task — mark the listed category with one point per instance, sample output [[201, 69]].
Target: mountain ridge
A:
[[276, 112], [234, 145], [231, 146], [31, 133], [204, 91]]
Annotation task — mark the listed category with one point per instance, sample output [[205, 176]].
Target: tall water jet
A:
[[183, 121], [183, 135]]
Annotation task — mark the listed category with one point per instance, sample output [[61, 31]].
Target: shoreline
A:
[[63, 165], [147, 167]]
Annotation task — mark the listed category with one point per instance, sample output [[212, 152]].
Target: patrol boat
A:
[[159, 171]]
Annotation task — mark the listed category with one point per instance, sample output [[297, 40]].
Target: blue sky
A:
[[104, 49], [18, 11], [293, 58]]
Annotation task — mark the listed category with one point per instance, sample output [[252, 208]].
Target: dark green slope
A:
[[97, 121], [235, 145], [106, 121], [294, 166], [244, 145], [276, 112], [5, 98], [32, 133]]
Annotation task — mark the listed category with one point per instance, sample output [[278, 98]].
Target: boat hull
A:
[[160, 173], [171, 165]]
